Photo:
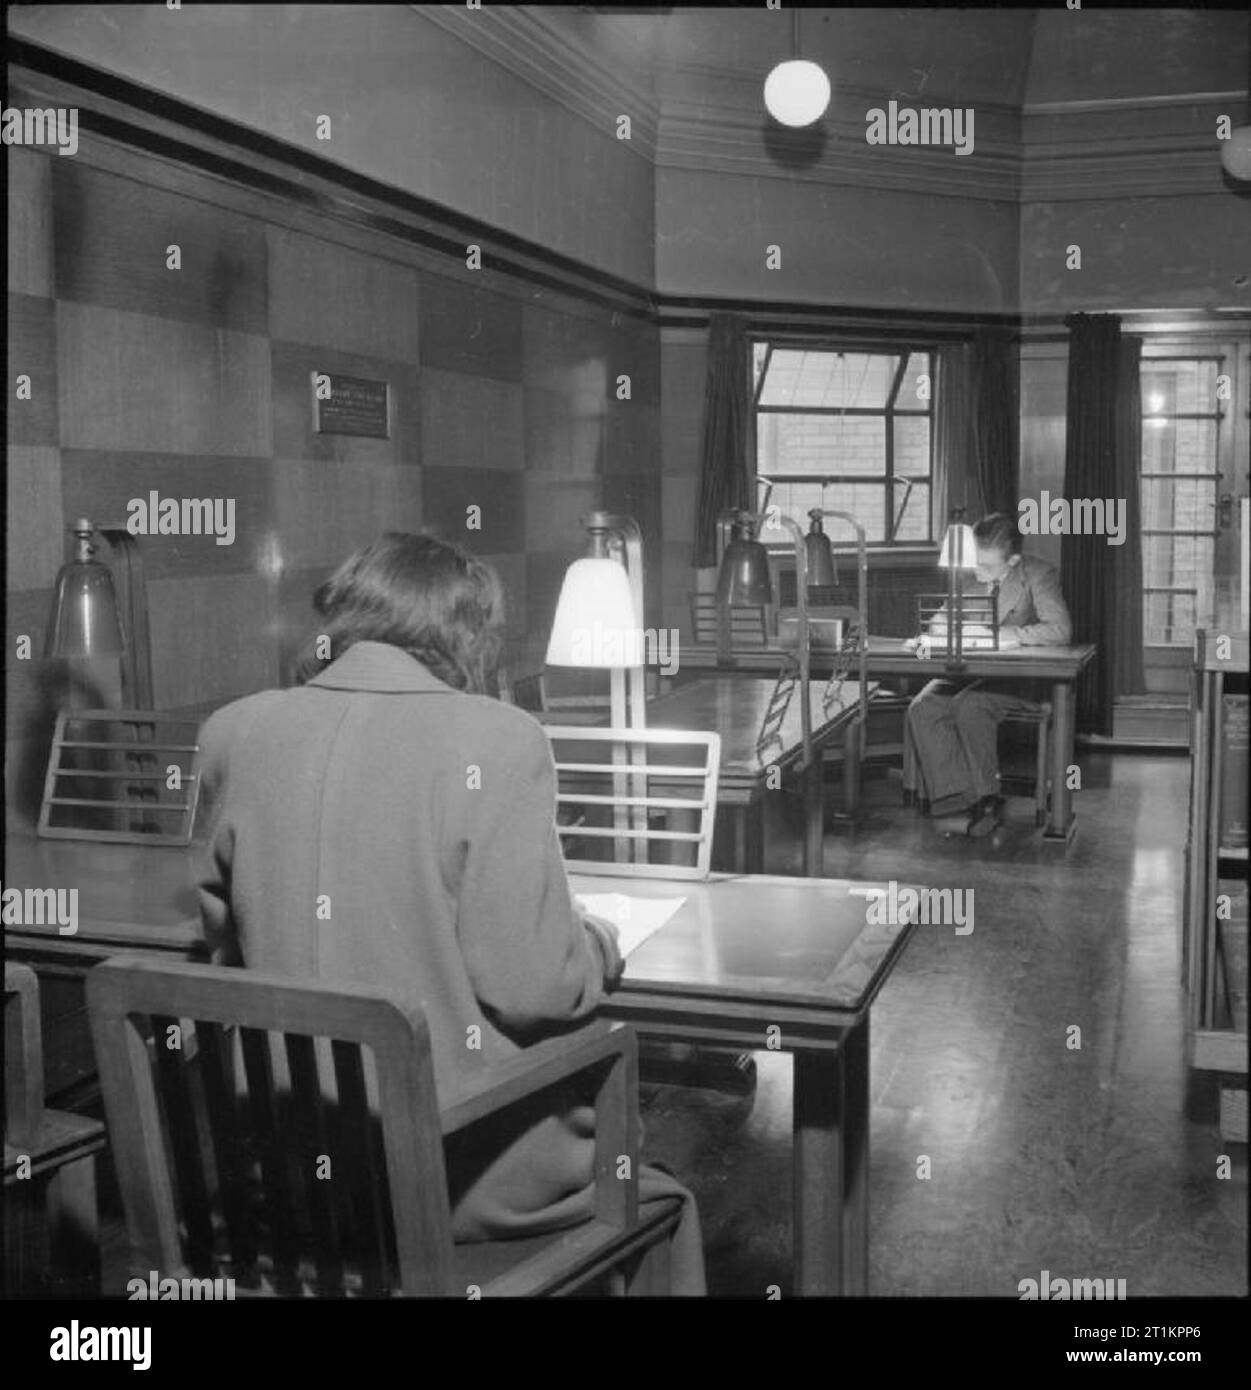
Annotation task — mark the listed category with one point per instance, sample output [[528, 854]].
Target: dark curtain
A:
[[994, 372], [1103, 582], [952, 435], [723, 480]]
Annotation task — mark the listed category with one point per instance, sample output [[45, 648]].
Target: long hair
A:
[[429, 598]]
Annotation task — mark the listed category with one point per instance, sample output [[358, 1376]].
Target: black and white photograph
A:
[[627, 669]]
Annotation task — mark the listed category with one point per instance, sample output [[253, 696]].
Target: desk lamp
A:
[[598, 615], [959, 553]]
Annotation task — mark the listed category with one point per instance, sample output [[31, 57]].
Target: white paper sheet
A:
[[634, 918]]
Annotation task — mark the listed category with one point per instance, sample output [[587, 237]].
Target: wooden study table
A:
[[888, 657], [781, 964], [130, 898], [734, 707], [742, 956]]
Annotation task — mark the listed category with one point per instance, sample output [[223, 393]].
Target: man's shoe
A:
[[985, 818]]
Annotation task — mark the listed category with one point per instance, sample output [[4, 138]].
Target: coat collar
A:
[[381, 667]]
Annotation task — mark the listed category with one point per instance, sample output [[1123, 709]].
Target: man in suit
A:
[[955, 726]]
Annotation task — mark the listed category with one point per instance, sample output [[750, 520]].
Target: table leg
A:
[[856, 1159], [1061, 821], [831, 1158], [817, 1123], [814, 819]]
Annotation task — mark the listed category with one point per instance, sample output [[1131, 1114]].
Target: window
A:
[[1181, 427], [861, 423]]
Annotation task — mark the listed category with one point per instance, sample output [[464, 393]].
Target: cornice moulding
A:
[[551, 61]]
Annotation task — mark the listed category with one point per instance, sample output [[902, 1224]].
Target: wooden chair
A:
[[285, 1176], [636, 801], [1040, 719], [52, 1241]]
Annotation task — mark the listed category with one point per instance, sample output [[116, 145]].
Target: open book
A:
[[974, 637], [635, 918]]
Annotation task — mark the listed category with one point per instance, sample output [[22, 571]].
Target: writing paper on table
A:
[[635, 918]]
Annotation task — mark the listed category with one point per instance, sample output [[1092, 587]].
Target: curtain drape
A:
[[952, 434], [994, 371], [723, 480], [1103, 582]]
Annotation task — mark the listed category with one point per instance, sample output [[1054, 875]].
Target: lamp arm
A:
[[862, 603], [801, 584]]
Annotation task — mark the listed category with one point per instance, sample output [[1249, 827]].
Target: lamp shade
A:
[[959, 548], [595, 623], [797, 92], [822, 573], [744, 578], [84, 621]]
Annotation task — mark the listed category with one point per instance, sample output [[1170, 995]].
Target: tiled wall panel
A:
[[197, 384]]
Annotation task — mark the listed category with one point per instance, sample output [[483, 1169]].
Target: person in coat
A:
[[386, 823], [954, 725]]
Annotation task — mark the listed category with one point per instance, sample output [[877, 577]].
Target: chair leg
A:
[[913, 778]]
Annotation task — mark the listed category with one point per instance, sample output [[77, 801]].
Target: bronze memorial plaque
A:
[[351, 405]]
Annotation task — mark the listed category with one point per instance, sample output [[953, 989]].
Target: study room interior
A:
[[627, 652]]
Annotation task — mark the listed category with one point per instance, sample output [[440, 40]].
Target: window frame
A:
[[904, 349], [1224, 353]]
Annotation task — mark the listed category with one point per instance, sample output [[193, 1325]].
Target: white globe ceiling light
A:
[[1236, 153], [796, 92]]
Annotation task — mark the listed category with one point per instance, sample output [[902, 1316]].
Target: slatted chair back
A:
[[287, 1134], [636, 801], [124, 775], [246, 1145]]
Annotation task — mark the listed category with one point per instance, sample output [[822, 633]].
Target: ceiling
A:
[[963, 56]]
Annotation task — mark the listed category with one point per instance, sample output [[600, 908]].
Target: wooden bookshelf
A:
[[1220, 668]]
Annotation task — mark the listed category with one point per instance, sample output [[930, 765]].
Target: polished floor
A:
[[1091, 1162]]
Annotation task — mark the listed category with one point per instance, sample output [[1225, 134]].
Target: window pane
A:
[[821, 444], [830, 379], [912, 446], [865, 501], [1168, 620], [908, 397], [1185, 505], [759, 351], [914, 525], [1179, 446], [1179, 388]]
